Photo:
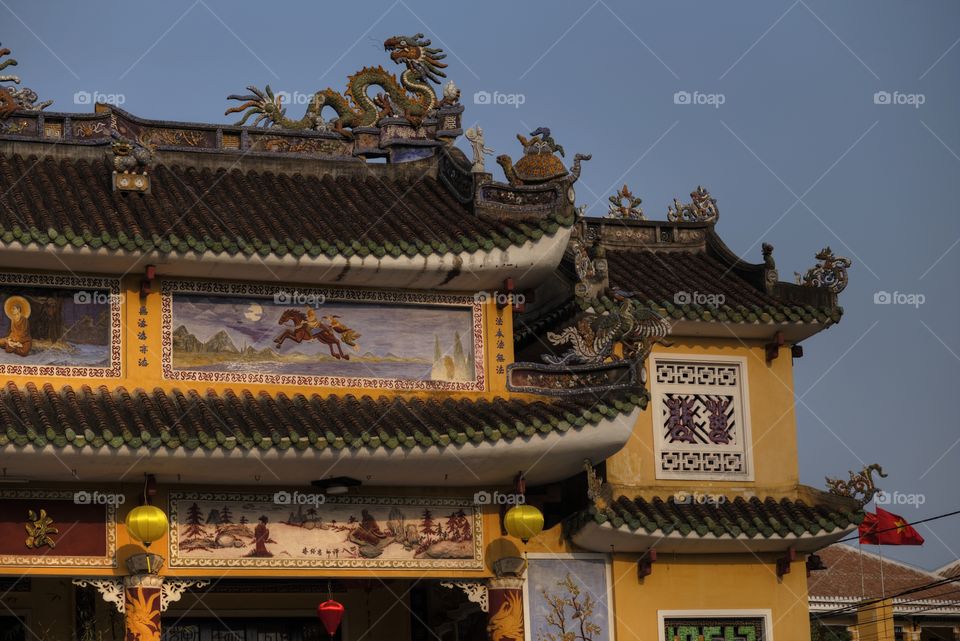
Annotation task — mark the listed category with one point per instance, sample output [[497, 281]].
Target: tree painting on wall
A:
[[568, 599]]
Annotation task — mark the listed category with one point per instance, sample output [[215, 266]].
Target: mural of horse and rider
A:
[[236, 336]]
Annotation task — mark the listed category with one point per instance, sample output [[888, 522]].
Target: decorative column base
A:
[[505, 616]]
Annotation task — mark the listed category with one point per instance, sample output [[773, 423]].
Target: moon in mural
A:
[[254, 312]]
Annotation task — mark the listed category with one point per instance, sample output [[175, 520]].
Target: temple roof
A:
[[852, 574], [732, 525], [261, 211], [241, 424]]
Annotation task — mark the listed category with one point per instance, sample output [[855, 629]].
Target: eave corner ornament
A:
[[625, 205], [702, 208], [860, 486], [598, 491], [476, 592], [12, 99], [770, 275], [173, 589], [830, 273], [111, 590]]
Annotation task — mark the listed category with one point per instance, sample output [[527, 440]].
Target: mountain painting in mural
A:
[[58, 327], [365, 340]]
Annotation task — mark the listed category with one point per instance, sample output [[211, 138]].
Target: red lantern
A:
[[330, 613]]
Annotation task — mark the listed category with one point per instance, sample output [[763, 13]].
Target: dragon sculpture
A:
[[507, 622], [702, 208], [11, 99], [861, 485], [593, 337], [830, 273], [412, 97]]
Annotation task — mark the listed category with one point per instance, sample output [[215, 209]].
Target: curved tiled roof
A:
[[60, 202], [754, 517], [175, 419]]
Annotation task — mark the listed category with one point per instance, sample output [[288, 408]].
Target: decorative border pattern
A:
[[766, 616], [49, 561], [116, 330], [171, 287], [467, 505], [694, 381]]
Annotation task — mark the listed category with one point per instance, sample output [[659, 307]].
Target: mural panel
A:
[[56, 528], [568, 597], [284, 530], [59, 325], [261, 334]]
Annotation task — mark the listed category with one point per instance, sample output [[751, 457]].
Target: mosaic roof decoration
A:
[[13, 99]]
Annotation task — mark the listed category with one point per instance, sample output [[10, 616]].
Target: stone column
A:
[[505, 615], [141, 606]]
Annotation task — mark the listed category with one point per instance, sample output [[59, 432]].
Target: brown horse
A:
[[301, 332]]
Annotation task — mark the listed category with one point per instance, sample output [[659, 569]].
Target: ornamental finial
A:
[[624, 204], [702, 208], [12, 99], [830, 273], [860, 486]]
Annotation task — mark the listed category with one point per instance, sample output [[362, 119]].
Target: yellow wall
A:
[[772, 426]]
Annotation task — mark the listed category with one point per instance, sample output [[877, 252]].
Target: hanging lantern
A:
[[330, 613], [523, 522], [147, 523]]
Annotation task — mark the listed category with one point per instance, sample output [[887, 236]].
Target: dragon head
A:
[[416, 53]]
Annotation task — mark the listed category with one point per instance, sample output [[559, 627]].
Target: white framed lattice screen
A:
[[701, 417]]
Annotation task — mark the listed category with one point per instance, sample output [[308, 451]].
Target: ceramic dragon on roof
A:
[[11, 99], [412, 97]]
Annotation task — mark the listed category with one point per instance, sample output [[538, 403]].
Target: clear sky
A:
[[784, 129]]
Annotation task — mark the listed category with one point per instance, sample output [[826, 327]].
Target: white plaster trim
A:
[[533, 261], [111, 590], [476, 592], [766, 614], [608, 566]]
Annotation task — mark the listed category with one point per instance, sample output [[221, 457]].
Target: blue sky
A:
[[799, 153]]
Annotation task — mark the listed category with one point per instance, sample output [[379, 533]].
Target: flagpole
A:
[[863, 590], [883, 592]]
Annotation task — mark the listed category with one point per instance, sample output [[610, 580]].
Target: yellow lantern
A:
[[147, 523], [523, 522]]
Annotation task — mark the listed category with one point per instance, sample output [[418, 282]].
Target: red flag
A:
[[886, 528]]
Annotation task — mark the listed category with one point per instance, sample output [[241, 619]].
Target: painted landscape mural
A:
[[297, 530], [58, 328], [568, 599], [306, 337]]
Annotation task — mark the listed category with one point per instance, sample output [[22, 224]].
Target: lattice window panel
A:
[[700, 415], [715, 629]]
